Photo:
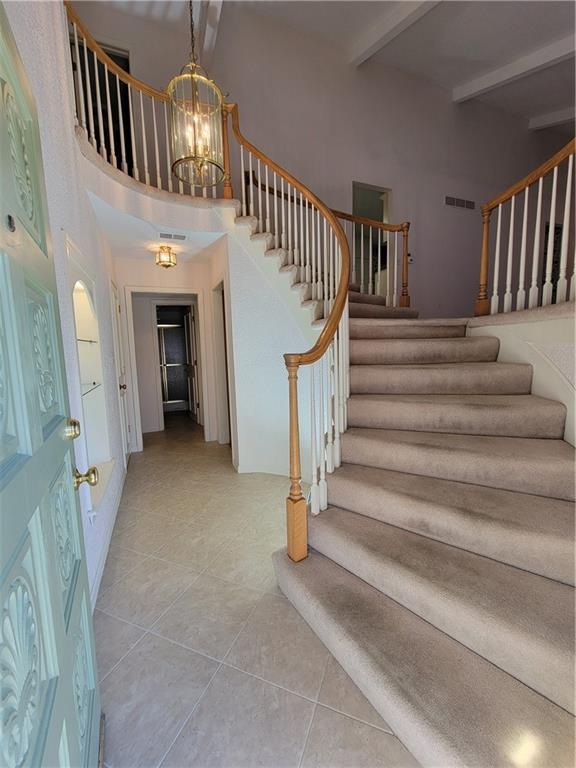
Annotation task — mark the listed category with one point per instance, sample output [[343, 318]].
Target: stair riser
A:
[[423, 351], [366, 298], [357, 309], [412, 674], [549, 556], [543, 422], [545, 478], [542, 666], [406, 332], [492, 380]]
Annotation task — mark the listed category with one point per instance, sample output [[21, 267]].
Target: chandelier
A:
[[165, 257], [196, 105]]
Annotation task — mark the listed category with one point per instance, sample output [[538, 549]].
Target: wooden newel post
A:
[[482, 306], [296, 522], [404, 295], [228, 193]]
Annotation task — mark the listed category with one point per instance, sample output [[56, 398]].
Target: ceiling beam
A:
[[550, 119], [211, 11], [383, 31], [525, 65]]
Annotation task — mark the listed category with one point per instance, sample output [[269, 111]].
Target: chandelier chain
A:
[[193, 55]]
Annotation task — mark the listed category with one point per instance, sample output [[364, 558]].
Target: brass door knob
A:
[[91, 477], [72, 429]]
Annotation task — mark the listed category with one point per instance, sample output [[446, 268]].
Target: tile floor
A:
[[202, 661]]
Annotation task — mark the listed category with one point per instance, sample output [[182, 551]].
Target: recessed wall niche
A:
[[94, 418]]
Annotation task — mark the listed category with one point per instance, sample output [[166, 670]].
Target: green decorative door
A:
[[49, 701]]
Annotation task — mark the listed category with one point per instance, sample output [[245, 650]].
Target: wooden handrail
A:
[[339, 214], [105, 59], [536, 174], [329, 330]]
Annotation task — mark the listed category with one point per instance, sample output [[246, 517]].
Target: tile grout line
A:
[[315, 708]]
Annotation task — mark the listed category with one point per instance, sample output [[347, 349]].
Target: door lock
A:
[[72, 429], [122, 386], [91, 477]]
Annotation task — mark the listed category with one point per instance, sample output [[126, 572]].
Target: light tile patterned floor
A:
[[202, 661]]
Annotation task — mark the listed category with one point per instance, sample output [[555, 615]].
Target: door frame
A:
[[207, 404], [120, 355]]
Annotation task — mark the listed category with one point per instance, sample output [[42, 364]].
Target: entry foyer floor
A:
[[202, 661]]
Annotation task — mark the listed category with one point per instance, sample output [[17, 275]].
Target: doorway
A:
[[374, 203], [176, 330]]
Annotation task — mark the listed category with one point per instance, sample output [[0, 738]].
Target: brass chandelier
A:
[[196, 106]]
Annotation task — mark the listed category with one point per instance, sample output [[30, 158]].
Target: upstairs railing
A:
[[127, 122], [378, 265], [534, 269]]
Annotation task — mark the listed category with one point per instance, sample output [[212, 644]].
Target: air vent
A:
[[459, 202], [170, 236]]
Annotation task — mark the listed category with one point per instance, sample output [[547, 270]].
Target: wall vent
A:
[[459, 202], [170, 236]]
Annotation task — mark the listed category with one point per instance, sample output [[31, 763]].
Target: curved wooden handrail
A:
[[105, 59], [294, 359], [404, 226], [536, 174]]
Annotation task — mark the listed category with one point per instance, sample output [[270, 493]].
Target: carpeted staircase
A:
[[441, 576]]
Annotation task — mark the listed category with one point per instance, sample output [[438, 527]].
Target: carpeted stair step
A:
[[359, 309], [374, 328], [520, 529], [506, 415], [448, 705], [479, 349], [519, 621], [354, 287], [366, 298], [442, 379], [527, 465]]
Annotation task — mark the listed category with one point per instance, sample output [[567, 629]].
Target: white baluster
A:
[[135, 171], [354, 252], [395, 284], [336, 401], [79, 85], [362, 258], [123, 163], [573, 280], [110, 128], [562, 285], [370, 265], [243, 180], [508, 291], [495, 298], [89, 96], [323, 488], [308, 261], [295, 208], [347, 358], [276, 222], [99, 108], [260, 211], [251, 185], [319, 260], [167, 144], [303, 251], [327, 272], [283, 213], [313, 250], [144, 144], [388, 271], [533, 295], [521, 294], [379, 261], [290, 259], [314, 489], [156, 152], [268, 229], [547, 289]]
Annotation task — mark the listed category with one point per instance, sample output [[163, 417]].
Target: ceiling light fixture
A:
[[165, 257], [196, 105]]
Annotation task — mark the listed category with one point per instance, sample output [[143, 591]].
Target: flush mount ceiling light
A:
[[196, 105], [166, 257]]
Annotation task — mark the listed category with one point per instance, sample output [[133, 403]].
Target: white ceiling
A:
[[133, 238]]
